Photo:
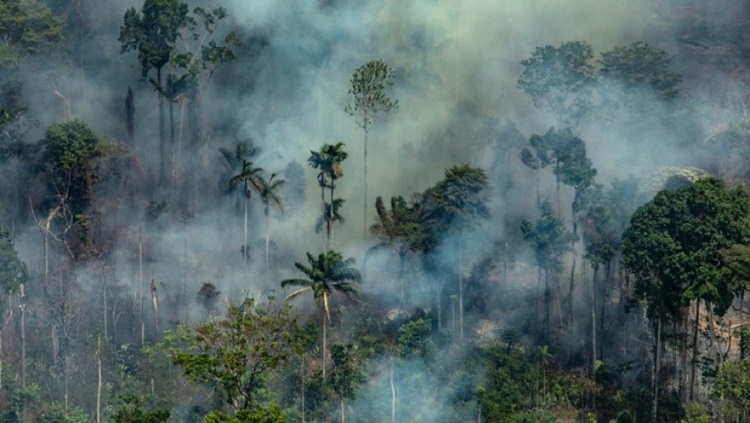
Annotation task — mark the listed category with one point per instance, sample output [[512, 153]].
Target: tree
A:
[[153, 32], [234, 354], [559, 80], [133, 412], [672, 248], [27, 27], [400, 230], [72, 154], [327, 273], [249, 178], [13, 276], [328, 160], [550, 240], [345, 374], [370, 105], [269, 191], [639, 70], [459, 200]]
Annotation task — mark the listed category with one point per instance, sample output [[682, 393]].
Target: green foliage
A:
[[327, 273], [459, 199], [134, 412], [640, 67], [696, 412], [16, 399], [153, 31], [328, 160], [548, 238], [414, 340], [733, 386], [235, 353], [27, 27], [369, 88], [559, 80], [345, 374], [270, 414], [672, 244], [13, 271], [59, 413]]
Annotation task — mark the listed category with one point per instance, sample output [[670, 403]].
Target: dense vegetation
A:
[[180, 241]]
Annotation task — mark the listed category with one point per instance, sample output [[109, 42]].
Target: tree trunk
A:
[[268, 268], [393, 395], [693, 364], [130, 117], [655, 376], [341, 407], [593, 323], [155, 306], [401, 271], [172, 175], [23, 337], [302, 378], [99, 380], [162, 140], [460, 287], [244, 230], [140, 286], [364, 210], [325, 323]]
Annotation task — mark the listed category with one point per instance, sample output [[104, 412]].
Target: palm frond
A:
[[297, 293], [296, 282]]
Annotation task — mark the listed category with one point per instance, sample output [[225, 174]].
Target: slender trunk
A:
[[302, 378], [693, 364], [655, 375], [162, 141], [401, 271], [547, 297], [99, 380], [330, 217], [326, 318], [140, 286], [155, 306], [130, 117], [341, 407], [602, 312], [393, 395], [104, 304], [571, 291], [364, 210], [23, 337], [460, 287], [268, 268], [172, 175], [244, 230], [593, 323]]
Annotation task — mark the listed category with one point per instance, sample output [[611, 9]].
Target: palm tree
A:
[[328, 217], [269, 196], [327, 273], [328, 160], [249, 178], [400, 231]]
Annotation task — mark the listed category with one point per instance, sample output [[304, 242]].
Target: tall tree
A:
[[328, 160], [460, 199], [235, 353], [370, 105], [559, 80], [400, 230], [672, 248], [637, 71], [550, 241], [249, 178], [327, 273], [71, 158], [270, 195], [154, 32]]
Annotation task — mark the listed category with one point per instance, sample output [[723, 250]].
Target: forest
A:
[[374, 211]]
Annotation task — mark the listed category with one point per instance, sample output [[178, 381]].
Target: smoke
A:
[[457, 65]]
